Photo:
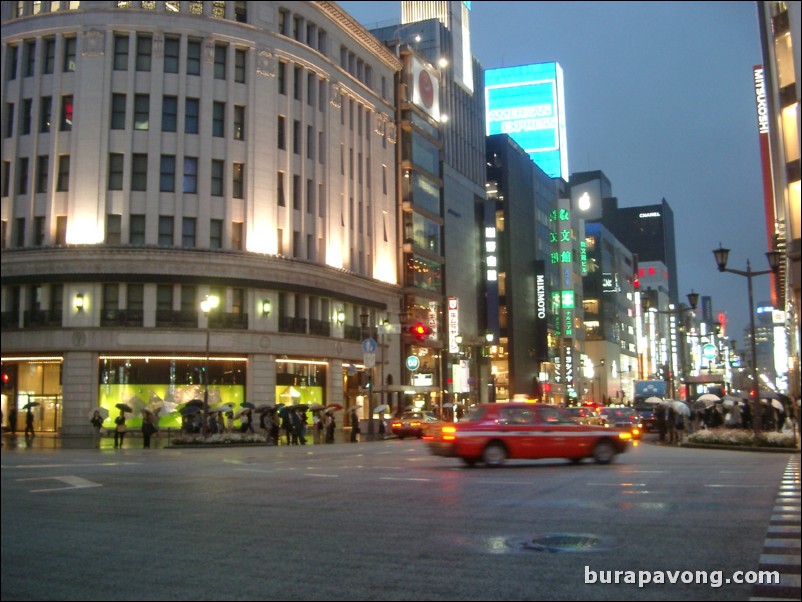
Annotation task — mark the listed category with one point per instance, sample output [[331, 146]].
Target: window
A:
[[296, 137], [219, 9], [321, 200], [310, 196], [61, 233], [281, 197], [69, 54], [216, 234], [220, 54], [196, 7], [236, 236], [296, 192], [241, 12], [218, 170], [27, 115], [321, 148], [48, 55], [284, 22], [63, 179], [170, 114], [22, 175], [66, 113], [166, 230], [298, 82], [141, 111], [113, 229], [193, 57], [311, 79], [192, 109], [239, 122], [282, 135], [310, 142], [240, 57], [238, 181], [164, 298], [11, 65], [42, 163], [218, 119], [6, 177], [116, 171], [139, 172], [144, 45], [189, 295], [190, 185], [136, 230], [19, 232], [135, 300], [111, 297], [188, 232], [121, 52], [118, 111], [8, 123], [172, 48], [282, 78], [167, 173], [29, 57]]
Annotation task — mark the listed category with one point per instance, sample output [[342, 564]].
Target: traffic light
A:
[[419, 331]]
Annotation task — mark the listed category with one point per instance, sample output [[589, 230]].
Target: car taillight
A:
[[396, 425], [414, 423], [449, 433], [625, 435]]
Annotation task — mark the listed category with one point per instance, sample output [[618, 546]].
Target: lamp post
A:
[[721, 254], [693, 300], [209, 303]]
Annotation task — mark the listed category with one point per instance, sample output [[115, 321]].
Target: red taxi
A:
[[495, 432]]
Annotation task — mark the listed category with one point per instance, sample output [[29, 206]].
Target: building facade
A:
[[159, 154]]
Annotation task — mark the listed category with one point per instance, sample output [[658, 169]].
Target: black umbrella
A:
[[248, 405], [31, 404], [189, 410], [195, 402], [124, 407]]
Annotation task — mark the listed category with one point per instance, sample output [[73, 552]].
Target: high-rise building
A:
[[777, 94], [156, 155]]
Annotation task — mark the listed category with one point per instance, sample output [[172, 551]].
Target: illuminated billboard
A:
[[528, 104]]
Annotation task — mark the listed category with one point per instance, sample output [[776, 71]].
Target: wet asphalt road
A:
[[374, 521]]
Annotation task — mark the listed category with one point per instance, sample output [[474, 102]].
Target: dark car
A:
[[623, 418], [411, 424], [495, 432], [584, 415]]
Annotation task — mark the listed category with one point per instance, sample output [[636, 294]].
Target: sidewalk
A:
[[133, 440]]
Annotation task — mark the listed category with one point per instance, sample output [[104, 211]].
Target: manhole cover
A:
[[568, 542]]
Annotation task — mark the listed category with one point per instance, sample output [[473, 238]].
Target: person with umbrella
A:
[[119, 430], [97, 422], [29, 421], [148, 428]]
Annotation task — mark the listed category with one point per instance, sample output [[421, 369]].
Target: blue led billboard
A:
[[528, 104]]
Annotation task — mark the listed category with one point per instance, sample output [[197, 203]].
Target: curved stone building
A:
[[159, 154]]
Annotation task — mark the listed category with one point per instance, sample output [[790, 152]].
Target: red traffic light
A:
[[419, 331]]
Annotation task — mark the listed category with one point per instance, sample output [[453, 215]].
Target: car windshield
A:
[[619, 414], [473, 415]]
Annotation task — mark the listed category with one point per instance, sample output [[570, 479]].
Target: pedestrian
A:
[[221, 422], [661, 422], [229, 422], [275, 427], [296, 427], [330, 425], [317, 428], [679, 427], [29, 423], [671, 424], [119, 430], [247, 421], [147, 429], [382, 427], [97, 422], [12, 420], [286, 425], [354, 426]]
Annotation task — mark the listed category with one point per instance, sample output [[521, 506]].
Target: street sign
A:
[[369, 359], [413, 363], [369, 346], [709, 351]]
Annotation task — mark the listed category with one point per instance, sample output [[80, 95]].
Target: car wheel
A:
[[604, 452], [576, 460], [494, 454], [470, 461], [400, 436]]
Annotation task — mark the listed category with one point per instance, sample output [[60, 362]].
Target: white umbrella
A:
[[653, 400], [778, 404], [709, 397], [380, 408], [104, 413]]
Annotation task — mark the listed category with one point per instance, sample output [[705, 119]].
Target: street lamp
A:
[[774, 257], [693, 300], [209, 303]]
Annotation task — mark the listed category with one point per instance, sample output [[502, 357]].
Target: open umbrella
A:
[[701, 404], [195, 402], [189, 410], [247, 405], [709, 397], [653, 399], [124, 407], [316, 406], [681, 407], [383, 408], [264, 407], [298, 406], [104, 413], [226, 407], [778, 404]]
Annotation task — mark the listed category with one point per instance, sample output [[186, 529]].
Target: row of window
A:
[[47, 58], [218, 9], [42, 175], [26, 117]]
